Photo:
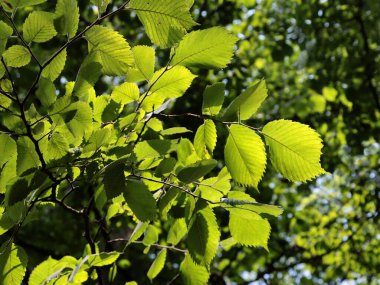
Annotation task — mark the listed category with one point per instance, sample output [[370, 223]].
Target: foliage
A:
[[102, 134]]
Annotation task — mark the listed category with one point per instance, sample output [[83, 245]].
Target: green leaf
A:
[[68, 11], [140, 200], [151, 235], [137, 232], [73, 121], [242, 202], [88, 74], [157, 265], [5, 32], [11, 215], [125, 93], [39, 27], [154, 148], [197, 170], [174, 131], [192, 273], [214, 188], [27, 157], [203, 237], [114, 180], [55, 67], [205, 139], [43, 271], [246, 105], [115, 53], [210, 48], [17, 56], [213, 98], [166, 84], [245, 156], [46, 92], [24, 3], [144, 60], [177, 231], [102, 4], [57, 147], [165, 21], [295, 149], [102, 259], [248, 228], [99, 138], [13, 261], [8, 146]]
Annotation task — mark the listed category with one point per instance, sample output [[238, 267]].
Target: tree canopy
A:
[[189, 142]]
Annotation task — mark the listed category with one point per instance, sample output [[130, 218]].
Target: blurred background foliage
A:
[[321, 61]]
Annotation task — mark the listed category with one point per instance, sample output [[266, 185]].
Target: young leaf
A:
[[88, 74], [173, 17], [166, 84], [214, 188], [210, 48], [5, 32], [140, 200], [174, 131], [295, 149], [246, 105], [17, 56], [248, 228], [242, 202], [102, 4], [102, 259], [177, 231], [197, 170], [192, 273], [43, 271], [68, 10], [27, 157], [39, 27], [144, 60], [138, 232], [154, 148], [57, 147], [115, 52], [7, 146], [205, 139], [13, 261], [24, 3], [73, 121], [245, 156], [46, 92], [213, 98], [203, 237], [126, 93], [157, 265]]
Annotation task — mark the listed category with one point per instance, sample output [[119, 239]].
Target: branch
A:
[[155, 244], [69, 42], [10, 19], [368, 52]]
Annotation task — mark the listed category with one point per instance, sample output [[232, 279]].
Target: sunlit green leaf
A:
[[245, 156], [295, 149], [173, 17], [210, 48]]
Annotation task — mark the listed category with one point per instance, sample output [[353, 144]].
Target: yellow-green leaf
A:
[[210, 48], [17, 56], [39, 27], [165, 21], [246, 105], [245, 156], [295, 149]]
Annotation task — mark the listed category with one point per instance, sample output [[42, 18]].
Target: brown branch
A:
[[370, 74]]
